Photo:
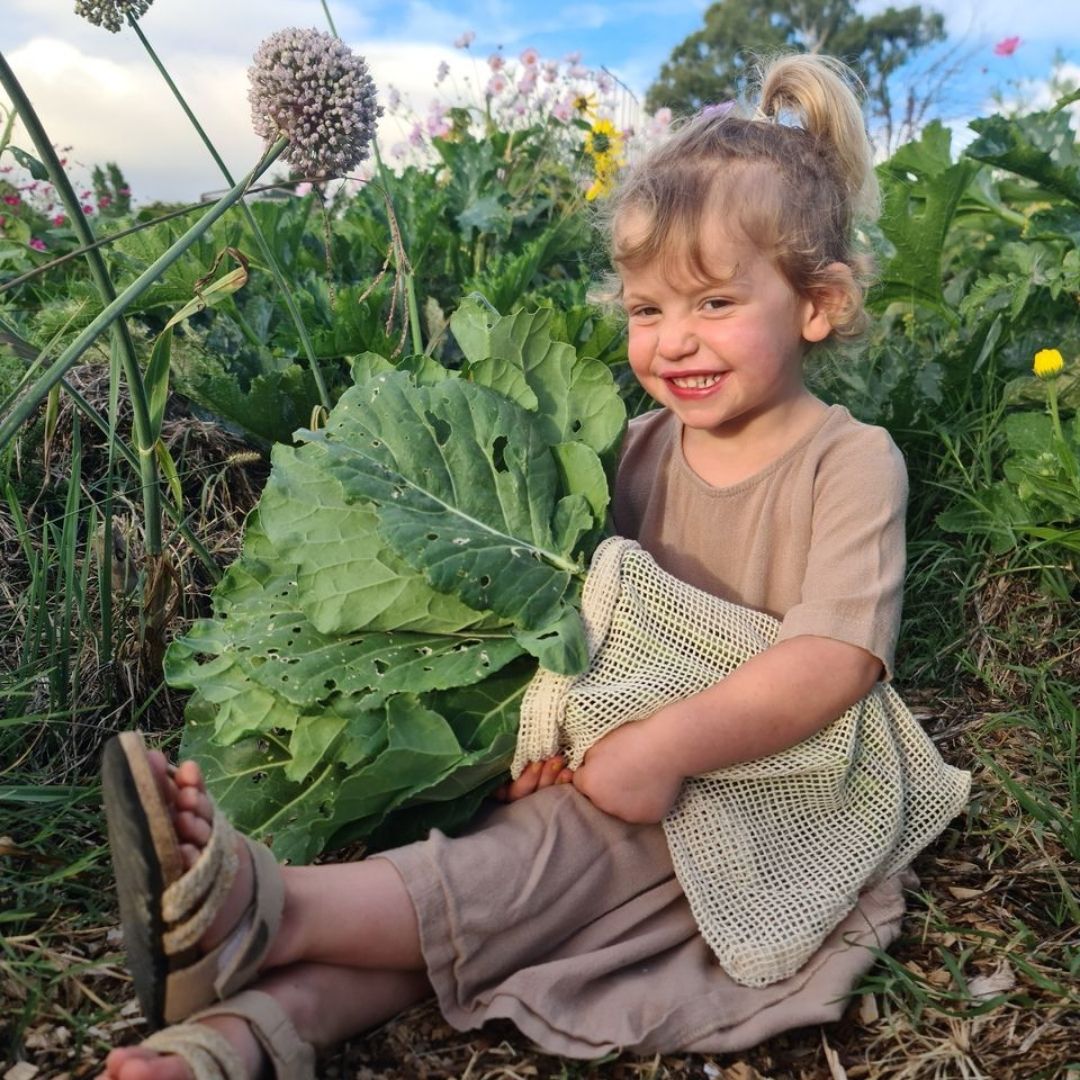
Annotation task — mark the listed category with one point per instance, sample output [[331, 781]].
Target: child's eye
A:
[[716, 303], [642, 311]]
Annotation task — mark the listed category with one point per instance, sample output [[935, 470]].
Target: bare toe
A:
[[188, 774], [192, 829]]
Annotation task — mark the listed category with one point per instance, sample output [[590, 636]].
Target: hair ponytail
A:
[[821, 92]]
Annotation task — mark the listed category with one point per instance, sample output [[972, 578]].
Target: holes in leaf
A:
[[431, 536], [485, 581], [258, 777], [380, 666], [575, 426], [375, 443], [330, 684], [439, 426], [498, 452]]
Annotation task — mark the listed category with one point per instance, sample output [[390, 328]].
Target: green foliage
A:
[[361, 674], [710, 65]]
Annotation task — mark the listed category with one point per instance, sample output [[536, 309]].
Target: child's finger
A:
[[565, 777], [526, 783], [550, 770]]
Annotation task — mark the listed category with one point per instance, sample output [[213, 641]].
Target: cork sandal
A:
[[165, 910], [210, 1055]]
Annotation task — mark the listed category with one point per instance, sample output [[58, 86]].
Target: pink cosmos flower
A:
[[87, 208], [442, 72], [496, 61], [551, 70], [12, 200], [564, 109], [104, 201], [496, 85], [37, 244], [1006, 46], [59, 220], [416, 136], [527, 82], [303, 188], [124, 191], [578, 71], [530, 56], [573, 57], [465, 40], [605, 83]]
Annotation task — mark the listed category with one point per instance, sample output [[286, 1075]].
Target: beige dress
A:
[[571, 923]]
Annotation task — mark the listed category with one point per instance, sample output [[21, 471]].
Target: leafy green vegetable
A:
[[362, 672]]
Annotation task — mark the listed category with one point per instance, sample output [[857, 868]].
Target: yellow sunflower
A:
[[604, 141]]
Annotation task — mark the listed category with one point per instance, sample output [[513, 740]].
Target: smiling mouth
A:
[[697, 382]]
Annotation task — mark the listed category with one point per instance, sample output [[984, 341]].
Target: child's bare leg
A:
[[349, 915], [326, 1004]]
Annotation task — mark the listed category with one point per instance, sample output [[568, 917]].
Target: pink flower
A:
[[465, 40], [304, 188], [86, 195], [87, 208], [59, 220], [529, 57], [496, 85], [605, 83], [573, 57], [578, 71], [527, 82], [416, 136], [124, 191], [12, 200], [442, 72], [496, 61], [1006, 46], [551, 70], [104, 201], [37, 244], [564, 109]]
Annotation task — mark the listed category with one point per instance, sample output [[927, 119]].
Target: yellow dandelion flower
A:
[[603, 140], [1048, 363], [584, 104]]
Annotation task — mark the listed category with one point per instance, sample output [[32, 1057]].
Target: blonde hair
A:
[[792, 173]]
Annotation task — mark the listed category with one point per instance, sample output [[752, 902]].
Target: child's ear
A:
[[830, 301]]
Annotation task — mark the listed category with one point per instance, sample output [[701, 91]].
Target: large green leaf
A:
[[574, 395], [1040, 147], [921, 190], [348, 577], [466, 489]]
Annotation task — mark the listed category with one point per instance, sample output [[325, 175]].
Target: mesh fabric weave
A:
[[770, 853]]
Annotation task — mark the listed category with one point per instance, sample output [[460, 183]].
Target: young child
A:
[[559, 909]]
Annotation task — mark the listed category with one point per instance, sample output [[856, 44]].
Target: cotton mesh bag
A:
[[771, 853]]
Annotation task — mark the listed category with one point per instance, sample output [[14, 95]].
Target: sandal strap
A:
[[234, 963], [290, 1057], [193, 901], [207, 1052]]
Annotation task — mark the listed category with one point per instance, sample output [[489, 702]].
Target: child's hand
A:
[[536, 775], [625, 778]]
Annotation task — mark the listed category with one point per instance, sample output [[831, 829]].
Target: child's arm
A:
[[774, 700]]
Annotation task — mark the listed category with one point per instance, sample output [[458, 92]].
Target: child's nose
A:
[[676, 340]]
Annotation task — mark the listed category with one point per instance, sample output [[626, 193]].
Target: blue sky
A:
[[96, 91]]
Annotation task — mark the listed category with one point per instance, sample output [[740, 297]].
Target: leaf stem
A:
[[30, 401], [260, 239], [329, 19]]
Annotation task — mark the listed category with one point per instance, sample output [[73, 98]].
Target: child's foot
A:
[[142, 1063], [192, 812]]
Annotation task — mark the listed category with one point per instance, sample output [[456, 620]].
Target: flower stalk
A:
[[144, 437], [264, 247]]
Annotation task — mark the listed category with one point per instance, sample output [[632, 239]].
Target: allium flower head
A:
[[112, 14], [310, 86]]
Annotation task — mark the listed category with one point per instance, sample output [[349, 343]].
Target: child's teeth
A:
[[695, 382]]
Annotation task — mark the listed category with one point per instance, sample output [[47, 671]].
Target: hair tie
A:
[[716, 111]]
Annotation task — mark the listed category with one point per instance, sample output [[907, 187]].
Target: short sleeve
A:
[[853, 587]]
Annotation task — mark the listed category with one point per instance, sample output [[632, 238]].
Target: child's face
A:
[[725, 355]]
